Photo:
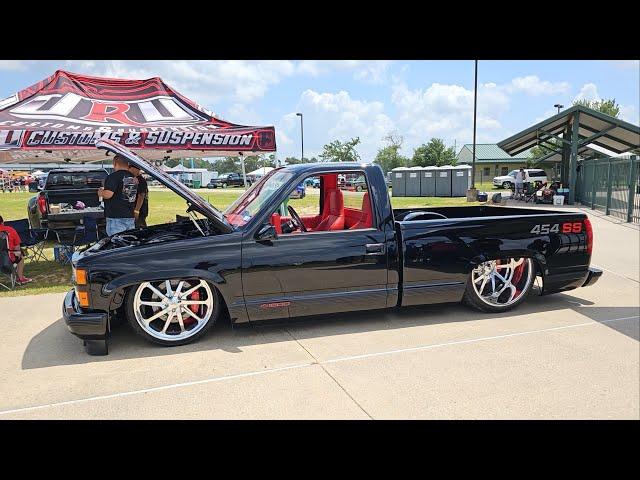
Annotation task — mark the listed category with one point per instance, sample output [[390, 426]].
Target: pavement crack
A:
[[315, 361]]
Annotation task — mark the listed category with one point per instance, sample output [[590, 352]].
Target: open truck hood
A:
[[196, 202]]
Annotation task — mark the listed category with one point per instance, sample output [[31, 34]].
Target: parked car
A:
[[358, 185], [172, 282], [531, 175], [298, 192], [228, 180], [66, 186], [312, 182]]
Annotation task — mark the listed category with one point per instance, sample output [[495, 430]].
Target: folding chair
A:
[[529, 191], [7, 266], [84, 234], [87, 233], [31, 239]]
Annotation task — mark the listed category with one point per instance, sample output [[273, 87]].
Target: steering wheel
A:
[[297, 220]]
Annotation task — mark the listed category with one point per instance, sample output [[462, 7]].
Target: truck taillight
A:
[[42, 204], [589, 231]]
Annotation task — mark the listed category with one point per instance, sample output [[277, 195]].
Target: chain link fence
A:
[[612, 186]]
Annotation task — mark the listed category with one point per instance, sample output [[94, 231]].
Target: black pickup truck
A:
[[66, 187], [263, 259], [227, 180]]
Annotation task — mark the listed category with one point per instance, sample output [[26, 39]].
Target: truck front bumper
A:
[[85, 325]]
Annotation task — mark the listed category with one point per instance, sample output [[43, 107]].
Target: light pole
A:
[[301, 137], [475, 110], [558, 106]]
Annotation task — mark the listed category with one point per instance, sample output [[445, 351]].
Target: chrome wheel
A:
[[173, 310], [501, 283]]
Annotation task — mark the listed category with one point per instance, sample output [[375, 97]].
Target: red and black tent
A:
[[61, 118]]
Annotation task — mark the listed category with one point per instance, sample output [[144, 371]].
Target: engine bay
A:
[[179, 230]]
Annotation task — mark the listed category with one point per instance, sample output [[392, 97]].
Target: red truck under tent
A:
[[61, 118]]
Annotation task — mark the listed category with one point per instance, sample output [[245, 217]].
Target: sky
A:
[[342, 99]]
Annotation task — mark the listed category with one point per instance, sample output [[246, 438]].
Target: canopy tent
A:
[[576, 131], [61, 118], [260, 172]]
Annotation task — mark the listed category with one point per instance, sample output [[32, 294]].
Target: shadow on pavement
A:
[[55, 346]]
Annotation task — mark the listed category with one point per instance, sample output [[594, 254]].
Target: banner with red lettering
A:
[[63, 116]]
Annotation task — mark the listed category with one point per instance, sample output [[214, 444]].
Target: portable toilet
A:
[[428, 181], [443, 181], [412, 188], [398, 181], [460, 180]]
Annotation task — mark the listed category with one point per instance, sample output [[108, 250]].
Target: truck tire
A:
[[506, 185], [499, 285], [173, 312]]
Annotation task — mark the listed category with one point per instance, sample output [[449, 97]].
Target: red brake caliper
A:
[[517, 276], [194, 308]]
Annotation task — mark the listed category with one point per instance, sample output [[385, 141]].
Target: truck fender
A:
[[117, 286]]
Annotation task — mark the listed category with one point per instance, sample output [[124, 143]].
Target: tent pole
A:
[[244, 173]]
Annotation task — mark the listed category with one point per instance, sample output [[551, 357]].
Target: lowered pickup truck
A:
[[66, 187], [263, 259]]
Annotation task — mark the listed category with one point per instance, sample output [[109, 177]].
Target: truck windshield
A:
[[250, 203]]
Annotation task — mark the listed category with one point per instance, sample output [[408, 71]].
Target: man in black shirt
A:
[[119, 193], [141, 210]]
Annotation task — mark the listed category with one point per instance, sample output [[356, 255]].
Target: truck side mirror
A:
[[266, 233]]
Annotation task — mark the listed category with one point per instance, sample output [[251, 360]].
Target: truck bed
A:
[[439, 246]]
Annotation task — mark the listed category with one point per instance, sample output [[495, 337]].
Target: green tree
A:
[[540, 151], [434, 153], [338, 151], [608, 107], [388, 157], [197, 163]]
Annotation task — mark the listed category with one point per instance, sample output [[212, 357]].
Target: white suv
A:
[[531, 175]]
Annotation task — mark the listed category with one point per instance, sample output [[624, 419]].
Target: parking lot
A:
[[565, 356]]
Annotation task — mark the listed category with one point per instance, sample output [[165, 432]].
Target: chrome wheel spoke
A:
[[153, 304], [168, 321], [157, 315], [180, 320], [191, 314], [156, 291], [192, 289], [193, 302]]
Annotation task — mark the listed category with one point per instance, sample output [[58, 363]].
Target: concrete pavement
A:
[[573, 355]]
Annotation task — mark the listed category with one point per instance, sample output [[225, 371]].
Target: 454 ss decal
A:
[[546, 228]]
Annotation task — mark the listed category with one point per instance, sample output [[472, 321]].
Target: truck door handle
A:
[[374, 249]]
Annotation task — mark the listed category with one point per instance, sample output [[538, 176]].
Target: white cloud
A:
[[13, 65], [369, 71], [446, 111], [589, 91], [532, 85], [205, 81], [331, 116]]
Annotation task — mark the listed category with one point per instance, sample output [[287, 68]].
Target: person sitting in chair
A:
[[15, 253]]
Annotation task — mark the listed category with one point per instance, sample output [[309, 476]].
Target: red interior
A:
[[334, 215]]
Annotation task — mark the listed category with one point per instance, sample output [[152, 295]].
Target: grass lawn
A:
[[164, 205]]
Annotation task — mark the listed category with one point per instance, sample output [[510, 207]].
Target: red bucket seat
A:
[[333, 212], [366, 220]]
